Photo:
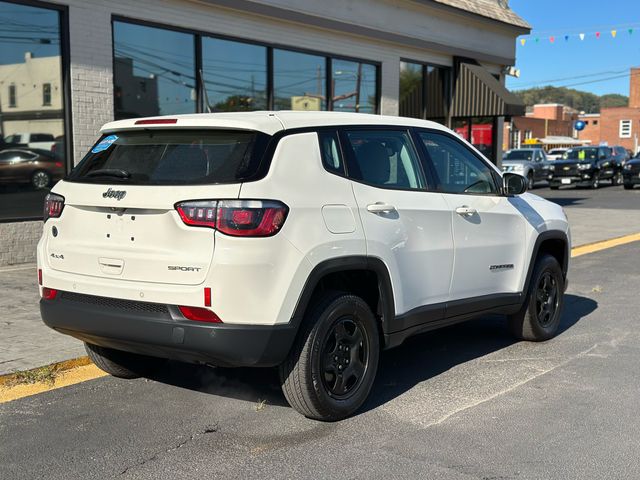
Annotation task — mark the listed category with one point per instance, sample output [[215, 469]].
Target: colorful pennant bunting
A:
[[582, 35]]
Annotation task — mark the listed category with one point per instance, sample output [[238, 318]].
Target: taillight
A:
[[53, 205], [49, 293], [199, 314], [238, 218], [198, 214], [39, 276]]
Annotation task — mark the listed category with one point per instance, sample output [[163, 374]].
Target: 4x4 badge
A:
[[117, 194]]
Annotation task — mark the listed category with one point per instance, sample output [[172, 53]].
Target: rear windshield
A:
[[173, 157], [519, 155]]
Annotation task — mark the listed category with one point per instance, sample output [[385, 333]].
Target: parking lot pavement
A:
[[25, 342], [596, 215], [465, 402]]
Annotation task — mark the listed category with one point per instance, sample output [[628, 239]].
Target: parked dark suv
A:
[[585, 167], [631, 173], [620, 155]]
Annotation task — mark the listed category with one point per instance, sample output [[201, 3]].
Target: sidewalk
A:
[[27, 343]]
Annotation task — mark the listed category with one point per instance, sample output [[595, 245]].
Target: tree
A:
[[581, 101]]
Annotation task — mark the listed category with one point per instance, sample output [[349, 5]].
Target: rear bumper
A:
[[147, 329]]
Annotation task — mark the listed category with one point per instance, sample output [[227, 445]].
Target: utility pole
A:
[[358, 77]]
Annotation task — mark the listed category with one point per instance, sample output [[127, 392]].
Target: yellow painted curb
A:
[[13, 386], [604, 244]]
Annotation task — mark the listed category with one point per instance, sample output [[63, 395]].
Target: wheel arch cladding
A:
[[554, 243], [363, 276]]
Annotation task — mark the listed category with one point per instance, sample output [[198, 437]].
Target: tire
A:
[[121, 364], [535, 322], [595, 181], [40, 180], [554, 187], [339, 332], [628, 186], [530, 182]]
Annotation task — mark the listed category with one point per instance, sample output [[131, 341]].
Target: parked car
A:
[[309, 241], [620, 155], [531, 163], [631, 173], [43, 141], [58, 147], [39, 168], [585, 167], [556, 153]]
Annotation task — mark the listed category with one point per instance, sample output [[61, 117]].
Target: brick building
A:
[[120, 59], [544, 120], [619, 125]]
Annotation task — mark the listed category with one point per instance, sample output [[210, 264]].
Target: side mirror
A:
[[513, 184]]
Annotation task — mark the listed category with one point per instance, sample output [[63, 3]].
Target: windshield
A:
[[522, 155], [581, 154], [173, 157]]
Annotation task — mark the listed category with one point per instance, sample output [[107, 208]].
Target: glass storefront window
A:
[[411, 90], [436, 87], [354, 87], [461, 127], [424, 91], [154, 71], [234, 74], [32, 100], [478, 131], [299, 81], [482, 136]]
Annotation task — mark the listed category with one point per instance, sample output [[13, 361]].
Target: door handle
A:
[[380, 207], [466, 211]]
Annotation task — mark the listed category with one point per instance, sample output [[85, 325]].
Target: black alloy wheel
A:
[[547, 299], [345, 357]]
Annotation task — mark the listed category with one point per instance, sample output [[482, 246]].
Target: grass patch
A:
[[46, 374]]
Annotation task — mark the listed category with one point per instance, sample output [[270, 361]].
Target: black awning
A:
[[478, 94]]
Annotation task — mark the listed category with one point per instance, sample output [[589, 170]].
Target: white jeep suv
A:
[[309, 241]]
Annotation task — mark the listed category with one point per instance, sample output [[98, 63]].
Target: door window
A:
[[383, 158], [456, 168]]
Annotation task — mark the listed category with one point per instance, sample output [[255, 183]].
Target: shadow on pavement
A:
[[566, 202], [418, 359]]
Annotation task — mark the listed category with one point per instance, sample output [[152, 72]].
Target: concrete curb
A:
[[8, 379]]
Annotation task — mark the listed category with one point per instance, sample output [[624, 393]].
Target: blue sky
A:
[[573, 63]]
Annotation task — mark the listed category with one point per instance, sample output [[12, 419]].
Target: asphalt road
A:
[[606, 197], [465, 402]]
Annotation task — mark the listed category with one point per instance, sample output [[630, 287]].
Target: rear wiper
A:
[[109, 172]]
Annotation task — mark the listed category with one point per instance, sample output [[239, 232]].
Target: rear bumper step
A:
[[159, 330]]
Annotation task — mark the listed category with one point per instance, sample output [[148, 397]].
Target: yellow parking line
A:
[[603, 245], [51, 377]]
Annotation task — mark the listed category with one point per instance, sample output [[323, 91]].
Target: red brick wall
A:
[[552, 112], [608, 128]]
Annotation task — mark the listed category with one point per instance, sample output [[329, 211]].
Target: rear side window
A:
[[383, 158], [173, 157], [330, 150]]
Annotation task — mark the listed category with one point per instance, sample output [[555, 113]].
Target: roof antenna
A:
[[203, 86]]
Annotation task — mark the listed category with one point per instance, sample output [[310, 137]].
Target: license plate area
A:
[[566, 181]]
